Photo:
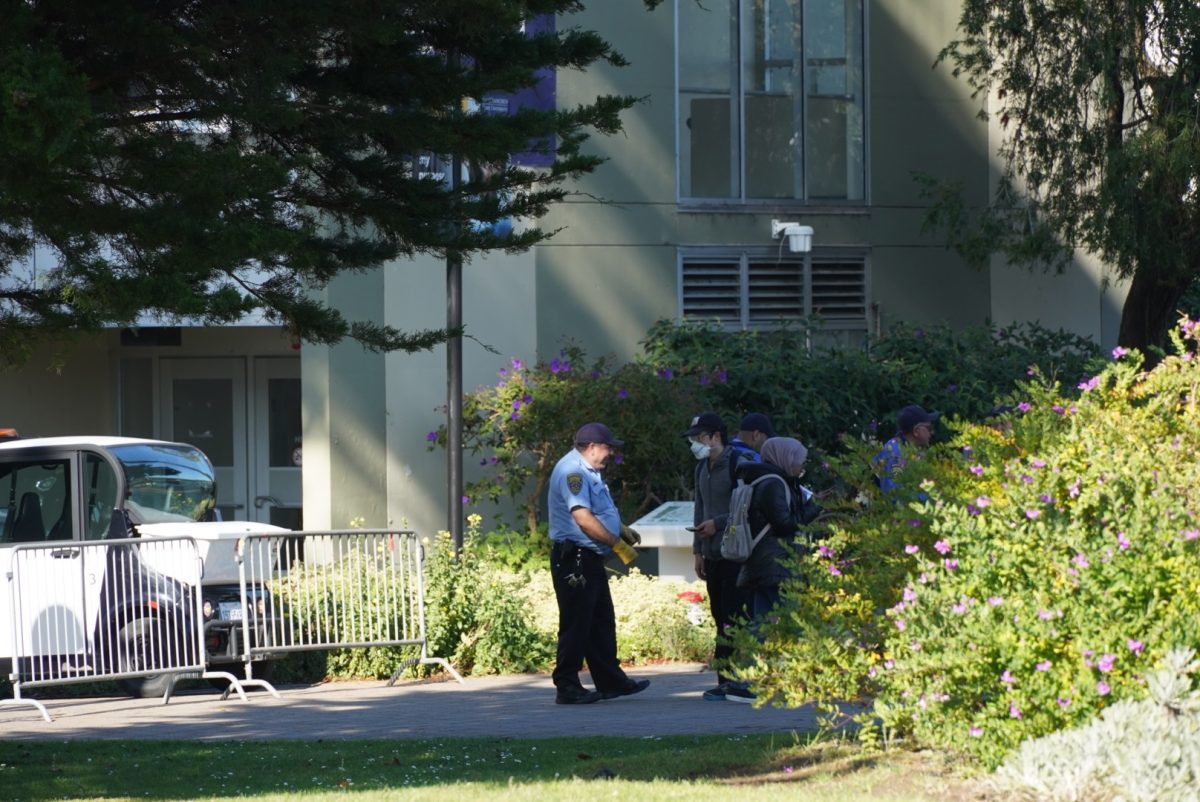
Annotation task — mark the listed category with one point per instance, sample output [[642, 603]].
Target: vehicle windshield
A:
[[167, 483]]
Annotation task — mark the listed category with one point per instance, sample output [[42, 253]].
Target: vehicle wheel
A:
[[132, 641], [263, 669]]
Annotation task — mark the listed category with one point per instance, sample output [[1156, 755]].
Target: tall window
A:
[[761, 288], [771, 100]]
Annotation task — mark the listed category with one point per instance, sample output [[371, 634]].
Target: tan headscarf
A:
[[787, 453]]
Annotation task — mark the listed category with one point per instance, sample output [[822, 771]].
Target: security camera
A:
[[799, 238]]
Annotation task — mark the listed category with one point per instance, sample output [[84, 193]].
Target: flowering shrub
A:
[[1020, 579]]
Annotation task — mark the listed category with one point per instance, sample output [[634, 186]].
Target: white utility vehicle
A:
[[86, 489]]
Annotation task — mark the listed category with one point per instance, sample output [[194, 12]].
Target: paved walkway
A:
[[506, 707]]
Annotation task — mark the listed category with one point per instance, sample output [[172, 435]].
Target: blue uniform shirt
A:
[[575, 483]]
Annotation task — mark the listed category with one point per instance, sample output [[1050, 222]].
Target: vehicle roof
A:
[[74, 441]]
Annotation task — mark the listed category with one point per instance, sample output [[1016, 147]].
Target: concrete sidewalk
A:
[[520, 706]]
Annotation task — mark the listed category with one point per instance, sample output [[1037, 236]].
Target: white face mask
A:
[[699, 450]]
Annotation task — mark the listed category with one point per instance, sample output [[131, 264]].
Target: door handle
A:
[[64, 554]]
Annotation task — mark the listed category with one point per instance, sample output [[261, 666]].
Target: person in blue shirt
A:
[[753, 431], [584, 527], [914, 426]]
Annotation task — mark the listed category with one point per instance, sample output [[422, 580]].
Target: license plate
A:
[[230, 611]]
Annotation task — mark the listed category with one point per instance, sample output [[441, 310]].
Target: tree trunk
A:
[[1151, 308]]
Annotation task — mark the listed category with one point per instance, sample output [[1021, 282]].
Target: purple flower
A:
[[703, 379], [953, 388], [951, 565], [1081, 560], [666, 373], [977, 470], [618, 459], [503, 372], [1135, 646], [527, 399], [995, 601], [914, 522], [1090, 384], [975, 732], [1026, 478], [1029, 371], [1119, 352], [722, 377], [1024, 406], [483, 461], [595, 374], [910, 595], [517, 364], [1063, 702], [901, 624], [1105, 663], [431, 437], [1033, 514], [466, 499], [909, 549], [1045, 498], [1043, 666], [1045, 615], [1073, 490], [1058, 410], [622, 394], [1102, 688], [833, 569], [516, 404], [1038, 463], [942, 547], [515, 415], [959, 608], [1007, 678], [972, 509], [825, 551], [1013, 710], [555, 366]]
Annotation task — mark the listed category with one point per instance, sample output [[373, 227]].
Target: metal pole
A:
[[454, 382]]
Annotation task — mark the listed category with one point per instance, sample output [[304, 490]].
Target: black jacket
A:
[[771, 504]]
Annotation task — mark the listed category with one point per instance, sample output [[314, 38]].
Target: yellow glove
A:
[[624, 551], [630, 536]]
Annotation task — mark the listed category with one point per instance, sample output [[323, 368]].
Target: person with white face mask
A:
[[714, 480]]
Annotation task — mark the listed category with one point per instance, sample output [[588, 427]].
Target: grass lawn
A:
[[696, 769]]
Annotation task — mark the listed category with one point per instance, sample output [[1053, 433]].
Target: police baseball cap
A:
[[912, 415], [706, 422], [757, 422], [596, 433]]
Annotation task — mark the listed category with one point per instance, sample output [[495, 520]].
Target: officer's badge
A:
[[574, 482]]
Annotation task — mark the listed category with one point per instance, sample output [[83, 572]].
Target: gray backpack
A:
[[738, 541]]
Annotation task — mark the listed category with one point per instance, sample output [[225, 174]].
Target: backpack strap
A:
[[787, 494]]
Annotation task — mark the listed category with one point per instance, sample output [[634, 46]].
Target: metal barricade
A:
[[127, 610], [337, 589]]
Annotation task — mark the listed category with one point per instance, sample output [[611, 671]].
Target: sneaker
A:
[[577, 696], [736, 693], [628, 689], [716, 694]]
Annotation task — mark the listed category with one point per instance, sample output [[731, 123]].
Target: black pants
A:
[[728, 603], [587, 625]]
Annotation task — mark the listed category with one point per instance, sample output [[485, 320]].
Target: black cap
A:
[[757, 422], [596, 433], [908, 418], [705, 422]]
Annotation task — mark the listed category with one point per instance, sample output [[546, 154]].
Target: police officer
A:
[[584, 528]]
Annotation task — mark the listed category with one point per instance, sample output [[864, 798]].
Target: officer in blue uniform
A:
[[584, 527]]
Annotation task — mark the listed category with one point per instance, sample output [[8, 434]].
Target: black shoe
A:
[[577, 696], [630, 687]]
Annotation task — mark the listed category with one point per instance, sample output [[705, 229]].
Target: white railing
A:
[[335, 589], [125, 610]]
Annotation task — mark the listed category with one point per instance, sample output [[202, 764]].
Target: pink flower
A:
[[1013, 710], [1037, 463], [1102, 688], [911, 549], [1119, 352], [1191, 534], [982, 502], [1063, 702], [1043, 666], [977, 470], [1033, 514], [959, 609], [1081, 560], [1007, 678], [1105, 663], [975, 732], [950, 565], [995, 601], [1045, 615], [1090, 384], [1122, 541], [1073, 490], [901, 624], [833, 569], [910, 595], [942, 547], [1135, 646], [1024, 406]]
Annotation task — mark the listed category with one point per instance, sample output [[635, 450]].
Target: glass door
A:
[[204, 405], [277, 442]]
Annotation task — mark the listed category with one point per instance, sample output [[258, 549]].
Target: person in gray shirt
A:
[[714, 480]]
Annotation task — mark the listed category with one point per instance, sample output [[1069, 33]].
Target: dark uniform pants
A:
[[587, 625], [728, 604]]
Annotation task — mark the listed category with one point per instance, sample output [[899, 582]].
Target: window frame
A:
[[744, 255], [708, 204]]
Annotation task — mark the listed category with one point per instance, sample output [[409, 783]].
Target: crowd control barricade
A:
[[123, 610], [337, 589]]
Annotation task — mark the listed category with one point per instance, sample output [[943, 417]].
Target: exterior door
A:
[[277, 442], [203, 404]]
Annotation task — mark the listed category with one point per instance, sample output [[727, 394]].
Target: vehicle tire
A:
[[263, 669], [131, 641]]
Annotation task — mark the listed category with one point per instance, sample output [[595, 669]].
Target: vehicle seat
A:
[[28, 526]]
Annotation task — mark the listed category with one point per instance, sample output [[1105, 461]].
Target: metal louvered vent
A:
[[712, 290], [839, 291], [776, 291]]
